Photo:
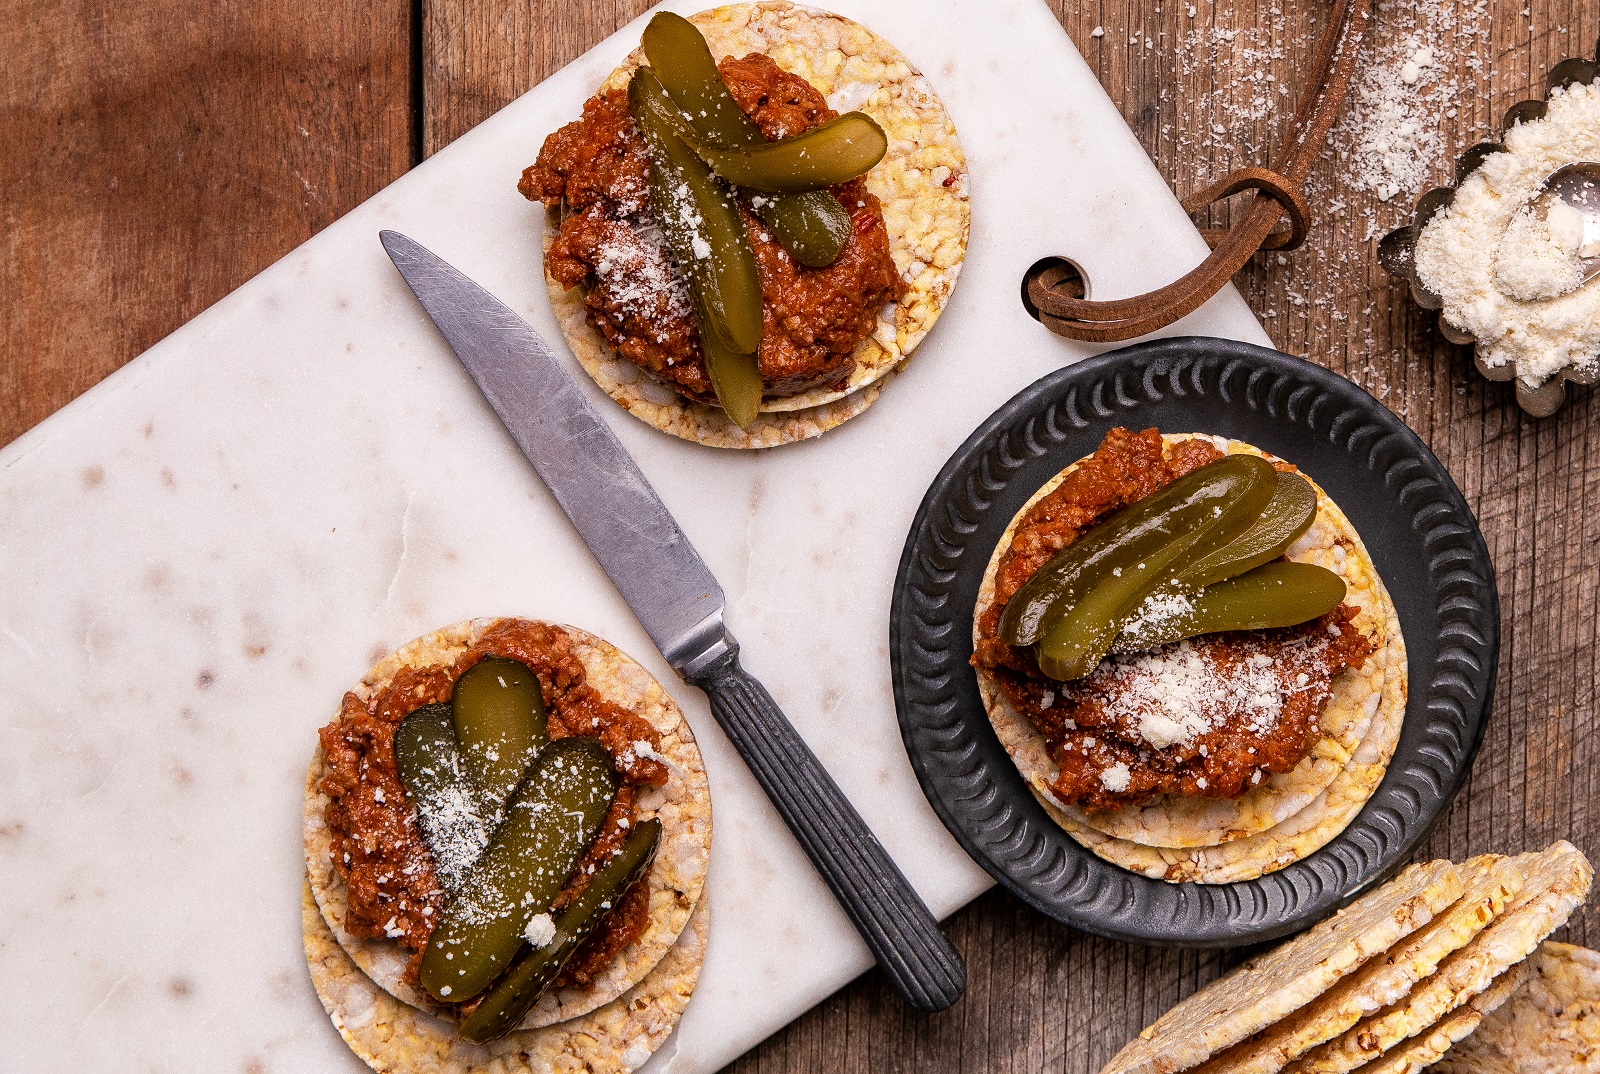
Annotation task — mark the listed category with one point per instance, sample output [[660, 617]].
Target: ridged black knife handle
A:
[[898, 927]]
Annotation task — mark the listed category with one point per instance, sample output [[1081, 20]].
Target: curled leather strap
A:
[[1277, 187], [1053, 293]]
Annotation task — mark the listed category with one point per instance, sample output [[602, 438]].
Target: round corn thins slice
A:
[[1429, 1046], [921, 183], [1551, 1026], [395, 1038], [1556, 882], [1274, 985], [1353, 751], [1490, 882], [683, 805]]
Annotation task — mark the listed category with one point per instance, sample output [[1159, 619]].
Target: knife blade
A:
[[680, 605]]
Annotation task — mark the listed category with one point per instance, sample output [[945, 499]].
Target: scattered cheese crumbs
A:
[[540, 931], [1116, 778], [378, 796], [392, 930], [637, 273], [1411, 70], [1098, 31], [1158, 609], [445, 991], [643, 749]]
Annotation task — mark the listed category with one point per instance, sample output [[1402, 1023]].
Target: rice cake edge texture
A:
[[1281, 981]]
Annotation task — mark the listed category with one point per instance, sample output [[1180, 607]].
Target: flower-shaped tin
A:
[[1397, 249]]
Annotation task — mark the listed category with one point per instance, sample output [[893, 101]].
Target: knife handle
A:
[[898, 927]]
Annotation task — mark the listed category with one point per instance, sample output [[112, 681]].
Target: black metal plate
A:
[[1421, 534]]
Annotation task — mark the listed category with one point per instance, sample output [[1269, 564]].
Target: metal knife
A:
[[680, 605]]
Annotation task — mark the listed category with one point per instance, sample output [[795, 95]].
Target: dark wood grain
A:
[[114, 127], [157, 155]]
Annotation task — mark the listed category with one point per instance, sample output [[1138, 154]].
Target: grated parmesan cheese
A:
[[540, 930], [1172, 695], [1538, 257], [1158, 609], [1470, 254], [1116, 778], [640, 277]]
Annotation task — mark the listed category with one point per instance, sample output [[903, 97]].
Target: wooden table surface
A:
[[161, 152]]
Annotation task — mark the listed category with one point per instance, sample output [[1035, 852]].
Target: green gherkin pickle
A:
[[429, 765], [834, 152], [1288, 515], [1272, 595], [1221, 502], [700, 219], [536, 968], [813, 226], [500, 725], [735, 377], [549, 823], [1183, 517]]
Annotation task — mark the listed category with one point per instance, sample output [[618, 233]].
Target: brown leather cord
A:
[[1274, 193], [1277, 187]]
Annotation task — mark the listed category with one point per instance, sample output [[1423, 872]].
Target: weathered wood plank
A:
[[159, 155], [479, 54]]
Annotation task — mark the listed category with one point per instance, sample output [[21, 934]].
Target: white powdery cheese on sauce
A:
[[640, 277], [1116, 778], [1469, 254], [540, 931], [1173, 695]]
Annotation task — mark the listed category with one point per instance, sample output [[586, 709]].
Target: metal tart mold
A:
[[1397, 249]]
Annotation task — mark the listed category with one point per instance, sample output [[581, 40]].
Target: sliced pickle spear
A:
[[1212, 506], [735, 377], [500, 726], [429, 765], [1272, 595], [844, 148], [700, 219], [682, 60], [1289, 514], [549, 824], [536, 968], [813, 226], [1182, 507]]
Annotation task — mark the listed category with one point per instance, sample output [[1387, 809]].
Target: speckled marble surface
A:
[[202, 553]]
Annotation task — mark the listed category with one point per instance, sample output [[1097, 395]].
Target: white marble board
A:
[[201, 554]]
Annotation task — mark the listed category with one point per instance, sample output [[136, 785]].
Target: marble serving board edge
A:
[[203, 552]]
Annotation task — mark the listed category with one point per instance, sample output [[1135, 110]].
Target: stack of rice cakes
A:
[[1551, 1026], [1393, 983], [629, 1010]]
